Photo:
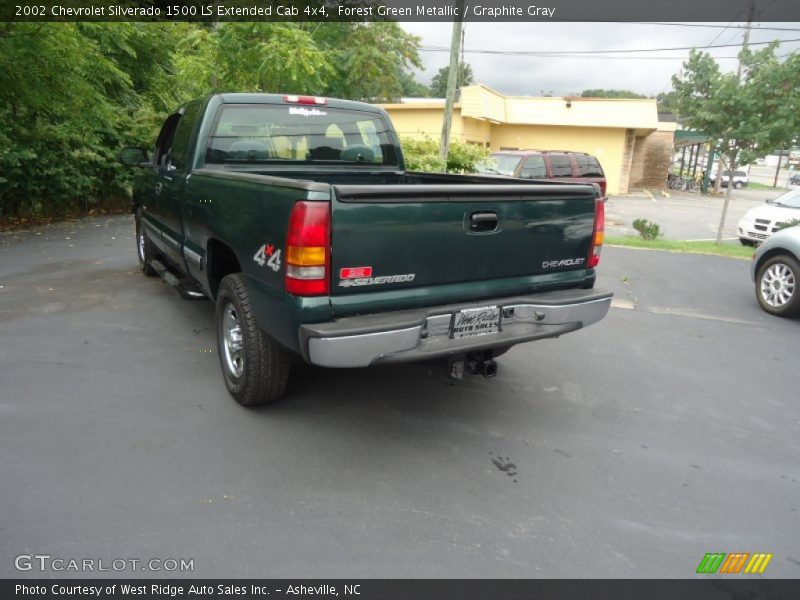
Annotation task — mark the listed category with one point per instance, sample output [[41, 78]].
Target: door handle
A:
[[157, 188], [483, 221]]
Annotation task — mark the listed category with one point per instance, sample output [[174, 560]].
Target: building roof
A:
[[483, 103]]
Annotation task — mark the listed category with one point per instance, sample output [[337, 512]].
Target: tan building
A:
[[633, 146]]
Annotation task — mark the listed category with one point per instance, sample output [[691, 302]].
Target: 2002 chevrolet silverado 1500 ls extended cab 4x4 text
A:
[[295, 214]]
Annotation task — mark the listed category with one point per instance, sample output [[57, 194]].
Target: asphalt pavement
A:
[[683, 215], [629, 449]]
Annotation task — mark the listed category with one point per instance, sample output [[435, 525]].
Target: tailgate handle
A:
[[483, 221]]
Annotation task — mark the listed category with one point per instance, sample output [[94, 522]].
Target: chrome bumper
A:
[[406, 336]]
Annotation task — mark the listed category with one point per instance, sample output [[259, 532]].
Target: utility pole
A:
[[452, 79], [777, 169], [751, 14]]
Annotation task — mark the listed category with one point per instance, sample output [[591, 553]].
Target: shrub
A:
[[423, 155], [646, 229]]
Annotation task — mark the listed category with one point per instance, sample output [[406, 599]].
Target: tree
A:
[[666, 102], [359, 61], [411, 88], [746, 116], [600, 93], [72, 94], [439, 82]]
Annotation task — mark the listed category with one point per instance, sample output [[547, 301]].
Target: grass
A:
[[732, 250], [754, 185]]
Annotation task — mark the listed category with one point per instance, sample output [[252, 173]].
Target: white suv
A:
[[740, 178]]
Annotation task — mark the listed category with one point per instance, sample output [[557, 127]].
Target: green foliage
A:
[[73, 94], [438, 87], [647, 230], [411, 88], [667, 102], [599, 93], [70, 96], [747, 115], [423, 155]]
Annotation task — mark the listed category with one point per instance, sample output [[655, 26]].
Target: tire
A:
[[746, 242], [737, 185], [255, 367], [778, 286], [144, 247]]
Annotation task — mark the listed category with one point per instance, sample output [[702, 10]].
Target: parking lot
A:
[[629, 449], [683, 215]]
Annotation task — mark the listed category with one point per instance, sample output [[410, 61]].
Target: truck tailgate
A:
[[408, 236]]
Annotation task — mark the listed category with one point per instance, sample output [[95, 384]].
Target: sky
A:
[[560, 76]]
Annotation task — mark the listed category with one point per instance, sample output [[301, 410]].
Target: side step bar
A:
[[186, 289]]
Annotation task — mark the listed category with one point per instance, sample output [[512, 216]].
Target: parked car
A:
[[776, 273], [760, 222], [794, 180], [577, 167], [296, 216], [740, 178]]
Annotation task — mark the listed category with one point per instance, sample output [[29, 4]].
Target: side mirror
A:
[[770, 200], [133, 156]]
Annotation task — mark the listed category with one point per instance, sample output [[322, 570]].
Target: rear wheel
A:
[[255, 367], [144, 247], [777, 288]]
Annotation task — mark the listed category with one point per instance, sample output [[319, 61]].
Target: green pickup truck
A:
[[296, 216]]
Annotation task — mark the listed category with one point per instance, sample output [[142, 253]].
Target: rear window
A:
[[588, 166], [534, 167], [259, 133], [561, 165]]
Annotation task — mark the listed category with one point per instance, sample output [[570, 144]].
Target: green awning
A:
[[686, 137]]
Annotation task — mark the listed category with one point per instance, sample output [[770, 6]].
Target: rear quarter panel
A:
[[246, 213]]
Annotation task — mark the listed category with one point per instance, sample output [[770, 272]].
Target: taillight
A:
[[603, 188], [305, 100], [597, 233], [308, 249]]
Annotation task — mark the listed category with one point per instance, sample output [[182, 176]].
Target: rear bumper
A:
[[407, 336]]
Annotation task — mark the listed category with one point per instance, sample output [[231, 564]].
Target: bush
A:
[[423, 155], [646, 229]]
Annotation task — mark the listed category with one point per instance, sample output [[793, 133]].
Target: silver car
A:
[[776, 272]]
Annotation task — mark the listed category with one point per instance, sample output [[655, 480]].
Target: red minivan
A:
[[577, 167]]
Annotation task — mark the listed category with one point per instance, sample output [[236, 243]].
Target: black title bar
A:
[[707, 588], [397, 10]]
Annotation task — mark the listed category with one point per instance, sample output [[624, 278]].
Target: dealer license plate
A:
[[476, 321]]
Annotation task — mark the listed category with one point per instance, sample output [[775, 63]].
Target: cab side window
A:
[[561, 165], [534, 168], [179, 150], [164, 139]]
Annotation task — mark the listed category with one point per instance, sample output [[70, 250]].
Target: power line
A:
[[592, 52], [724, 29], [711, 26]]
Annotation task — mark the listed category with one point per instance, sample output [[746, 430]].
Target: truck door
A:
[[153, 209], [173, 169]]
